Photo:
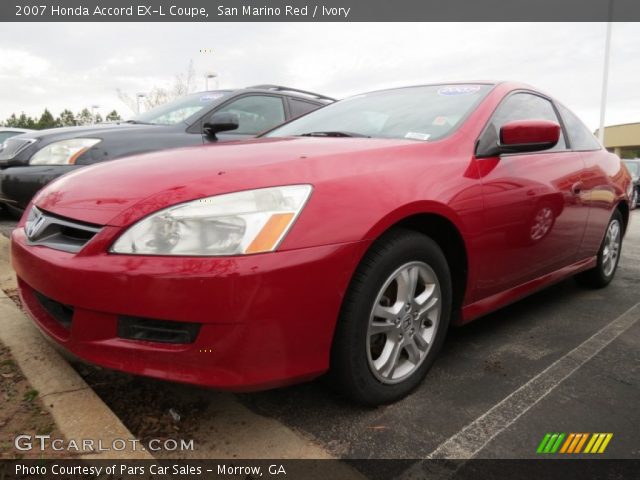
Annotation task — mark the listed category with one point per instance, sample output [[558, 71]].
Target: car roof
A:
[[293, 92], [506, 85]]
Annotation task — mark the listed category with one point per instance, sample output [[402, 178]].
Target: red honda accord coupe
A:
[[346, 241]]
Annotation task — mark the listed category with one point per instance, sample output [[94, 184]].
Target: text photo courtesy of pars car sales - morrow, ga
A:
[[320, 240]]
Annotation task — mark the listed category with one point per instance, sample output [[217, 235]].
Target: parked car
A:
[[633, 165], [346, 241], [8, 132], [31, 161]]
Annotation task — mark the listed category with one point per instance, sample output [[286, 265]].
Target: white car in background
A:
[[8, 132]]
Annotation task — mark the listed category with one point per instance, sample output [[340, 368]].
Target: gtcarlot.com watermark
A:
[[28, 443]]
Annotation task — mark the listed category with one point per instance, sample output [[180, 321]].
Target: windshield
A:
[[634, 168], [179, 110], [416, 113]]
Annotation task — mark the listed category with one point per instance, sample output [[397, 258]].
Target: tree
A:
[[26, 122], [113, 117], [12, 121], [84, 117], [183, 84], [46, 120], [66, 118]]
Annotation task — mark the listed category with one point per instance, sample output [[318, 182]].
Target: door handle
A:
[[576, 188]]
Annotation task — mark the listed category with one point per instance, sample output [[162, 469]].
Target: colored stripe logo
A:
[[574, 443]]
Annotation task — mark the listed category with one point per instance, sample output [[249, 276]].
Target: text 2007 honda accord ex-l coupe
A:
[[345, 241]]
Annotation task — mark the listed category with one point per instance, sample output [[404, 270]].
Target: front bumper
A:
[[20, 184], [266, 320]]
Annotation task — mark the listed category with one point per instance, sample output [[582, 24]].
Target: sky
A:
[[76, 65]]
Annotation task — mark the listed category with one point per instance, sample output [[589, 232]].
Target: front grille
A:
[[43, 228], [161, 331], [13, 146], [59, 311]]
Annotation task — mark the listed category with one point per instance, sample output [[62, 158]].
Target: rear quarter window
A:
[[580, 138], [300, 107]]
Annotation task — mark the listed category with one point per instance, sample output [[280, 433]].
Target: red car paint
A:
[[268, 319], [530, 131]]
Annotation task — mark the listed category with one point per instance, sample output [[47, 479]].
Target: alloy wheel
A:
[[403, 322], [611, 248]]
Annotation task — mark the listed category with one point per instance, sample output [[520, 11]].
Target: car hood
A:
[[120, 192], [117, 139], [99, 131]]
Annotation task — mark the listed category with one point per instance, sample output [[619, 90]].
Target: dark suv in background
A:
[[30, 161]]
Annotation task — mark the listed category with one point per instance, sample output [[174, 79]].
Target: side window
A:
[[524, 106], [5, 135], [300, 107], [256, 113], [580, 138]]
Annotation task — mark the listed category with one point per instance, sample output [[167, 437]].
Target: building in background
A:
[[623, 140]]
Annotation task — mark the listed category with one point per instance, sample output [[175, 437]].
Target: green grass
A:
[[31, 395]]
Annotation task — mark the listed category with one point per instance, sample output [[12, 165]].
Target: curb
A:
[[77, 411]]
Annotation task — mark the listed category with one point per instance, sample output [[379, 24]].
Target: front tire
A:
[[608, 256], [394, 319]]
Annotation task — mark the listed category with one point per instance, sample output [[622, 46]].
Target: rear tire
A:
[[394, 319], [608, 256]]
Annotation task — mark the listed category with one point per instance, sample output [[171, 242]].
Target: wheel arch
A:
[[623, 208], [440, 224]]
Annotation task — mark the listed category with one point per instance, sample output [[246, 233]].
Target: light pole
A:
[[605, 74], [206, 79], [138, 97], [93, 112]]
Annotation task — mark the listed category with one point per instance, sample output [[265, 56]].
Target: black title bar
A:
[[474, 469], [319, 11]]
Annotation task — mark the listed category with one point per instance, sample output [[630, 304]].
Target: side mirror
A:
[[523, 136], [220, 122]]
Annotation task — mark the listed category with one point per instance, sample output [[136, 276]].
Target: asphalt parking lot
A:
[[482, 364], [564, 360]]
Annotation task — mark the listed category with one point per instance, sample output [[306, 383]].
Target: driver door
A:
[[534, 218]]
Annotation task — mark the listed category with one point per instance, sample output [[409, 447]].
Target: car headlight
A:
[[240, 223], [64, 152]]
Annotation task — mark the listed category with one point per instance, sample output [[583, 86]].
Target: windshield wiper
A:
[[334, 134], [137, 122]]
